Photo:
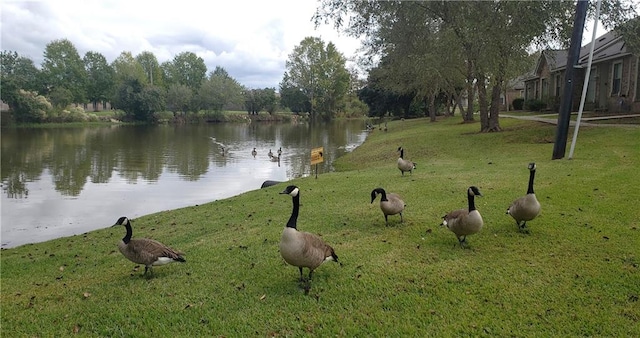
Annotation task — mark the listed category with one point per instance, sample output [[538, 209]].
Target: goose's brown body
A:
[[144, 250], [390, 203], [464, 222], [527, 207], [302, 249], [405, 165]]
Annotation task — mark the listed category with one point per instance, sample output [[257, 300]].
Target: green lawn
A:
[[575, 274]]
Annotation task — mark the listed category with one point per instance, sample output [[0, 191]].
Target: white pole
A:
[[586, 81]]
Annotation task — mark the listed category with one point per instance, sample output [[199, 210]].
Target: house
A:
[[614, 81], [514, 89]]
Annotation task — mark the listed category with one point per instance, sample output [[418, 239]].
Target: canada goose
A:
[[405, 165], [270, 153], [526, 207], [146, 251], [275, 158], [464, 222], [279, 151], [390, 204], [254, 152], [302, 249]]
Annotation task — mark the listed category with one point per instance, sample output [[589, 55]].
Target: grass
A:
[[575, 274]]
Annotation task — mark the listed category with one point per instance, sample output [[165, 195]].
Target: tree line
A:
[[424, 54], [141, 87]]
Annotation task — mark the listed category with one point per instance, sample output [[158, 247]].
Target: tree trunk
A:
[[484, 104], [459, 103], [494, 118], [468, 116], [432, 108]]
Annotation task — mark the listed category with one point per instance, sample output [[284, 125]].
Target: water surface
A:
[[60, 182]]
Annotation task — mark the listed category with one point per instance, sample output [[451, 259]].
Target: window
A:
[[558, 84], [545, 88], [591, 86], [617, 78]]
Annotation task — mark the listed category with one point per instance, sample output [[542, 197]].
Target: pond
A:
[[59, 182]]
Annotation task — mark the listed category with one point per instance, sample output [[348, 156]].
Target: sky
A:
[[250, 39]]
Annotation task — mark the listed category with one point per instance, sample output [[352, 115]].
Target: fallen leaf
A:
[[76, 328], [86, 294], [263, 297]]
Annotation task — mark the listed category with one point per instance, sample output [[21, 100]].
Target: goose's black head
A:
[[375, 192], [291, 190], [532, 166], [122, 221], [399, 148], [474, 191]]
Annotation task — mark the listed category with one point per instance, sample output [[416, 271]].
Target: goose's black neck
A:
[[293, 220], [127, 237], [532, 175], [402, 154], [383, 194], [472, 203]]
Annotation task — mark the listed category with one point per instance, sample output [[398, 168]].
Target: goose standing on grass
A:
[[390, 204], [526, 207], [146, 251], [464, 222], [302, 249], [405, 165]]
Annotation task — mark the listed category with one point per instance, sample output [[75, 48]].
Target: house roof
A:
[[608, 46]]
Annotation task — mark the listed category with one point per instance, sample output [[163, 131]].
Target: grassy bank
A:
[[575, 274]]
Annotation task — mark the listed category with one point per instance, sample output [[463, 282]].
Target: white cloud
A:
[[251, 39]]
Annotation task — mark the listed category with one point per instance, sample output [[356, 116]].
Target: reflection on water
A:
[[63, 181]]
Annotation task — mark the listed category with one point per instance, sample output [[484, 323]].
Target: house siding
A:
[[550, 69]]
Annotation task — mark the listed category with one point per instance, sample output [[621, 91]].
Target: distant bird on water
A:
[[254, 152], [146, 251]]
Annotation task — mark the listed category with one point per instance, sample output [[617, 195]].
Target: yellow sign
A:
[[317, 155]]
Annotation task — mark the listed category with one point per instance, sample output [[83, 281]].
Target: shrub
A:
[[534, 105], [31, 107], [518, 103]]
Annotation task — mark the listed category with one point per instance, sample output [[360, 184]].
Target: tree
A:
[[16, 72], [179, 98], [63, 68], [219, 90], [126, 67], [151, 68], [100, 77], [491, 50], [258, 99], [139, 102], [630, 32], [186, 68], [319, 74]]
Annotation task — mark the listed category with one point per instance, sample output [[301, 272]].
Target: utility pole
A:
[[564, 115]]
